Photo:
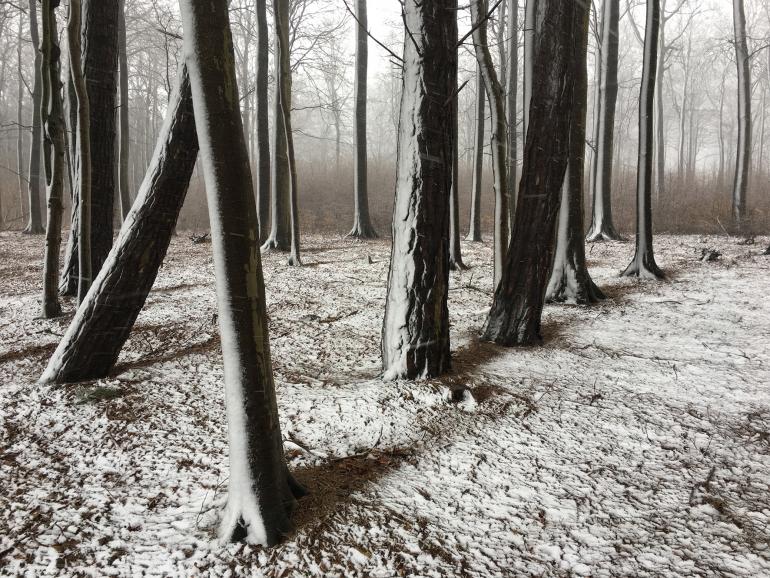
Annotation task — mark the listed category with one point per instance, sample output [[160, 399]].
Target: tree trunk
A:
[[125, 194], [743, 151], [514, 318], [530, 10], [280, 233], [643, 265], [499, 139], [721, 133], [455, 252], [263, 129], [511, 106], [660, 154], [474, 229], [92, 343], [20, 120], [34, 224], [261, 491], [362, 224], [570, 280], [602, 227], [415, 334], [53, 122]]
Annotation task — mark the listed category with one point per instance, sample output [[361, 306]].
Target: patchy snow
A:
[[636, 441]]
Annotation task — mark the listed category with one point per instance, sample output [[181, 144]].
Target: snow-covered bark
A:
[[474, 228], [743, 152], [34, 223], [643, 263], [261, 492], [415, 334], [362, 223], [514, 318], [570, 280], [602, 228], [92, 343], [498, 138], [262, 124], [124, 193]]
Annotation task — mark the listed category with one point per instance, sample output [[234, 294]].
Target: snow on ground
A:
[[634, 442]]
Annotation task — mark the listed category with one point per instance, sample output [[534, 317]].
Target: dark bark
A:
[[570, 280], [602, 227], [92, 343], [35, 224], [643, 263], [263, 130], [474, 228], [743, 153], [530, 10], [125, 194], [362, 223], [415, 334], [514, 318], [261, 492], [511, 106]]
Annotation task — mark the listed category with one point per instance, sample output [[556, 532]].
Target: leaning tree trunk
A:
[[510, 107], [602, 227], [125, 195], [415, 333], [643, 264], [362, 224], [53, 123], [280, 232], [570, 280], [514, 318], [261, 491], [263, 129], [743, 152], [474, 229], [479, 9], [92, 343], [455, 252], [34, 224], [530, 10]]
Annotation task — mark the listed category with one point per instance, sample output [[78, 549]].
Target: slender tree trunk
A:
[[280, 233], [570, 280], [660, 154], [415, 334], [721, 174], [68, 280], [530, 10], [511, 106], [760, 163], [643, 264], [743, 151], [514, 318], [261, 492], [92, 343], [362, 224], [34, 224], [474, 229], [53, 122], [19, 119], [499, 139], [602, 227], [263, 130], [455, 252], [125, 194]]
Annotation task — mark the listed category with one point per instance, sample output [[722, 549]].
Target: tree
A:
[[19, 116], [362, 224], [123, 150], [530, 11], [498, 138], [92, 343], [263, 129], [52, 115], [455, 253], [570, 280], [602, 227], [415, 333], [514, 318], [511, 93], [474, 229], [743, 151], [643, 263], [34, 224], [261, 492]]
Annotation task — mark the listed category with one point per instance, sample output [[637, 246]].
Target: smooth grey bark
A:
[[643, 264], [474, 228], [261, 491], [511, 106], [19, 118], [530, 10], [514, 318], [743, 151], [498, 138], [262, 124], [124, 142], [455, 250], [415, 333], [280, 199], [362, 223], [660, 144], [602, 227], [103, 322], [68, 279], [570, 280], [52, 115], [34, 223]]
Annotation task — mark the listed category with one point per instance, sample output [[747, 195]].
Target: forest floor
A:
[[634, 442]]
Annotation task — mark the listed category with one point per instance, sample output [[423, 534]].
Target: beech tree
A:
[[514, 318], [511, 93], [474, 228], [415, 334], [530, 11], [455, 251], [261, 492], [262, 123], [643, 263], [124, 143], [34, 223], [743, 152]]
